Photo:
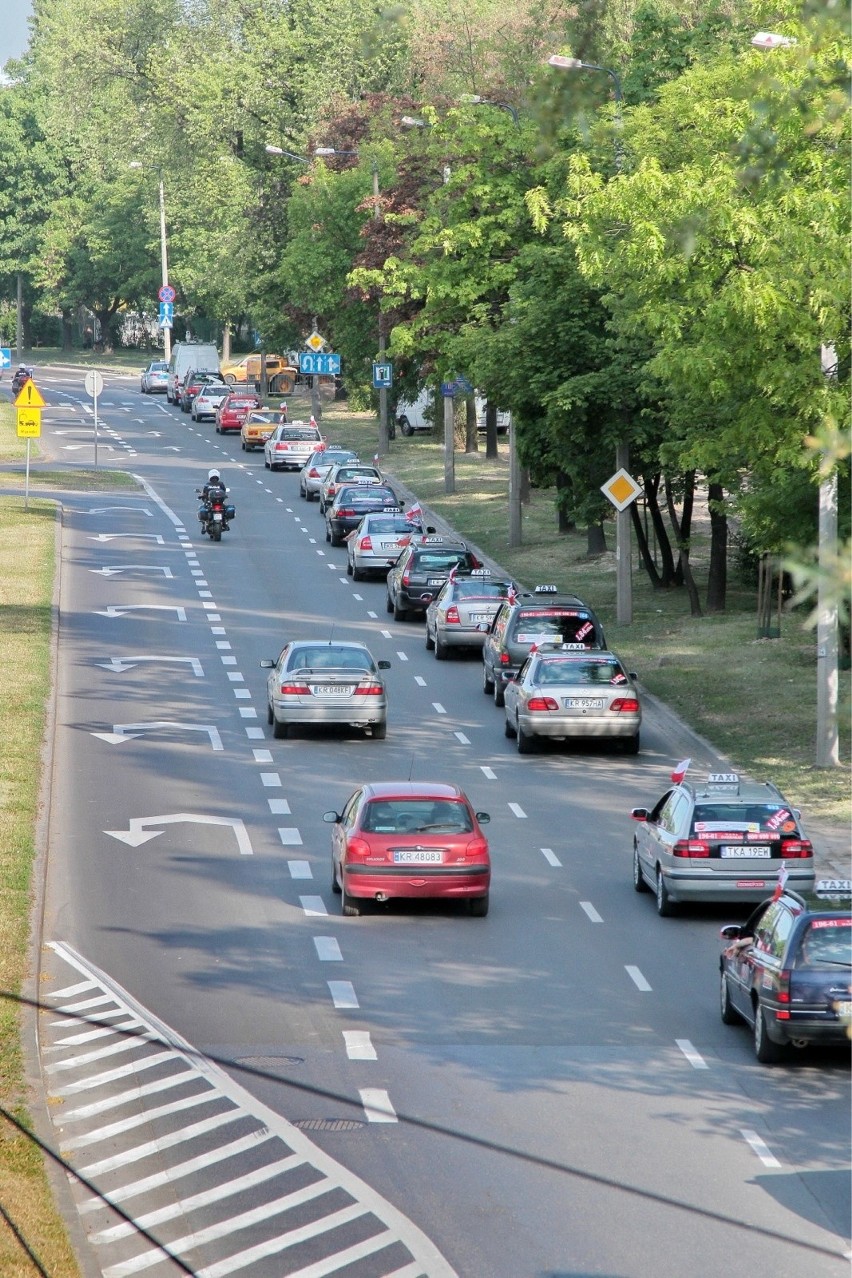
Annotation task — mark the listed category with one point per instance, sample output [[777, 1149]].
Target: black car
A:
[[195, 379], [422, 570], [542, 616], [352, 503], [787, 971]]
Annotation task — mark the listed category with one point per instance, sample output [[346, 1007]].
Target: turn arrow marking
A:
[[118, 665], [129, 731], [104, 510], [121, 610], [136, 834], [141, 537], [110, 572], [72, 448]]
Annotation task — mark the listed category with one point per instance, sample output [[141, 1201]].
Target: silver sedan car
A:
[[377, 541], [317, 467], [154, 378], [208, 400], [326, 684], [346, 473], [564, 693], [461, 614]]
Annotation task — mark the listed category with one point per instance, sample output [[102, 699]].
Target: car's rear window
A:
[[581, 673], [826, 943], [330, 658], [389, 526], [480, 590], [772, 819], [242, 403], [366, 494], [159, 368], [417, 816], [533, 625], [353, 472], [439, 560]]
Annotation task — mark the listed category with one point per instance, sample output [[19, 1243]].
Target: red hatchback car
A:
[[409, 839], [233, 410]]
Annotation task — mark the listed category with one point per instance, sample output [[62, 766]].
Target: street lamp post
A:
[[164, 257], [623, 578]]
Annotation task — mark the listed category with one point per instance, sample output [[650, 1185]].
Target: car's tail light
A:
[[365, 543], [628, 704], [295, 690], [796, 849], [313, 473], [690, 847], [452, 617], [476, 850], [368, 690], [331, 490], [281, 448], [504, 659], [542, 703], [346, 512], [406, 578], [783, 995], [357, 847]]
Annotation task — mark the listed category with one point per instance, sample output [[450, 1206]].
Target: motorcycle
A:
[[21, 375], [214, 512]]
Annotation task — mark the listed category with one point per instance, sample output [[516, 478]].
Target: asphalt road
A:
[[542, 1093]]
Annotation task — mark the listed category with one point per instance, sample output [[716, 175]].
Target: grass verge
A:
[[753, 698]]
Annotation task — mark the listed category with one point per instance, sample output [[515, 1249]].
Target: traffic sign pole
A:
[[623, 566]]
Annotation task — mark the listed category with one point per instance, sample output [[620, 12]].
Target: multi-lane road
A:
[[266, 1088]]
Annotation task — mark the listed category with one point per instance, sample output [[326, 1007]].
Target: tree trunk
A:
[[564, 522], [652, 491], [644, 551], [471, 432], [595, 540], [717, 581], [491, 449], [678, 526], [67, 328]]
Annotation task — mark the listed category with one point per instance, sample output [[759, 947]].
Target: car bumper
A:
[[459, 637], [577, 726], [444, 882], [418, 601], [358, 716], [722, 886], [373, 563]]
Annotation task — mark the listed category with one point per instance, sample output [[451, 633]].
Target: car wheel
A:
[[265, 462], [327, 533], [230, 379], [270, 717], [302, 493], [243, 445], [388, 604], [526, 742], [665, 906], [509, 729], [192, 417], [335, 886], [352, 907], [348, 567], [767, 1052], [358, 574], [430, 642], [726, 1007], [279, 729], [406, 427], [639, 884], [499, 694], [631, 744], [441, 650], [399, 614], [336, 539], [380, 731], [218, 430], [479, 906], [487, 684]]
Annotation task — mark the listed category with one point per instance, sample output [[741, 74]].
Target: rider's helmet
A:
[[213, 477]]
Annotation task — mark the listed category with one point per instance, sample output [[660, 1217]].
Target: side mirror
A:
[[730, 932], [267, 664], [331, 818], [640, 814], [483, 817], [631, 674], [429, 529], [383, 665]]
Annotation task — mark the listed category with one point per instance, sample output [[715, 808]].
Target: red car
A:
[[233, 410], [409, 839]]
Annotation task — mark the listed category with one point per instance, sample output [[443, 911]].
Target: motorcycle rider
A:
[[214, 480]]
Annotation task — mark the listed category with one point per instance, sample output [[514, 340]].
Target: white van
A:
[[186, 356], [411, 415]]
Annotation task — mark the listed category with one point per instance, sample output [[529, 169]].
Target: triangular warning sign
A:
[[29, 396]]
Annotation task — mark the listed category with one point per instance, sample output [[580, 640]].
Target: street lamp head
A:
[[135, 164], [412, 122], [565, 64], [273, 150], [771, 40]]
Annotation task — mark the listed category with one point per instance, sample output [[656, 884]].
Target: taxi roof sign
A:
[[29, 396]]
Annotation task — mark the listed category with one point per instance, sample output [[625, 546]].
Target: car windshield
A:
[[533, 624], [213, 389], [826, 943], [580, 673], [330, 657], [771, 818], [413, 816], [162, 367]]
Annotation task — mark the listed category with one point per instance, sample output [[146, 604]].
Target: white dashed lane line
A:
[[300, 869], [270, 779], [637, 978], [420, 681], [695, 1058], [343, 994], [590, 911], [760, 1147], [551, 857], [290, 836], [262, 756], [279, 807], [439, 709], [462, 738], [377, 1105], [313, 906], [328, 949], [518, 811], [358, 1046], [488, 773]]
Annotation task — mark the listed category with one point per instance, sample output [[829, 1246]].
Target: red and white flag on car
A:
[[453, 572], [511, 595], [313, 422], [783, 874], [680, 771], [375, 459], [413, 515]]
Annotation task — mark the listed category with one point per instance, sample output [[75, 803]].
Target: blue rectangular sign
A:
[[5, 357], [382, 376], [319, 365]]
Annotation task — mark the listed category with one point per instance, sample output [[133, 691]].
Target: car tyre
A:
[[430, 642], [380, 731], [631, 744], [348, 567], [665, 905], [526, 742], [406, 427], [335, 886], [336, 539], [639, 884], [479, 906], [509, 729], [726, 1007], [279, 729], [767, 1052], [442, 652], [499, 694], [388, 604], [358, 574], [352, 907], [487, 684], [327, 533], [399, 614], [270, 716]]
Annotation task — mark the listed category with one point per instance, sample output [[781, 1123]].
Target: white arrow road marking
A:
[[121, 610], [136, 834], [105, 510], [72, 448], [127, 731], [118, 665], [111, 572], [139, 536]]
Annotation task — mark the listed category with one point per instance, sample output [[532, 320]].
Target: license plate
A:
[[743, 854], [389, 545], [332, 689], [435, 581], [480, 616], [217, 517], [582, 703], [416, 856]]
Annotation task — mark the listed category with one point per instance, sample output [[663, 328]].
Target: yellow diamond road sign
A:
[[29, 396], [621, 489], [316, 341], [29, 423]]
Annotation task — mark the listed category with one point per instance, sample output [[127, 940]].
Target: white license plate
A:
[[743, 854], [435, 581], [332, 689], [389, 545], [582, 703], [217, 517], [416, 856], [480, 616]]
